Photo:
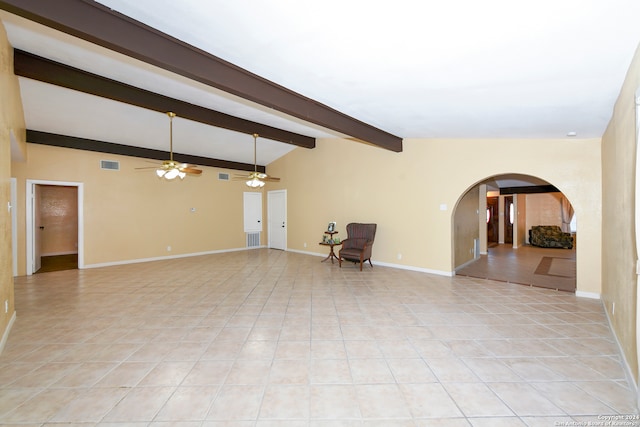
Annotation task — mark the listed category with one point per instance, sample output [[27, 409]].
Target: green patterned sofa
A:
[[550, 236]]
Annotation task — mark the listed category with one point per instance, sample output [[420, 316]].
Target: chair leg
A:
[[370, 263]]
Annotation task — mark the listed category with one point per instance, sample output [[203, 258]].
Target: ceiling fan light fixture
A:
[[255, 183], [171, 174], [171, 169]]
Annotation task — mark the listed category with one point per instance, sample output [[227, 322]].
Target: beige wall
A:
[[11, 123], [465, 227], [543, 209], [346, 181], [619, 280], [132, 215]]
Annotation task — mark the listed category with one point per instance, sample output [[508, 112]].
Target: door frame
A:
[[29, 219], [14, 225], [269, 215]]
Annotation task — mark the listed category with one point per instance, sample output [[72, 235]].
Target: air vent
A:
[[223, 176], [111, 165], [253, 240]]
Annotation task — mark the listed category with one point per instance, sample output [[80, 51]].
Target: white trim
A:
[[625, 365], [14, 225], [29, 219], [460, 267], [418, 269], [162, 258], [307, 253], [592, 295], [387, 264], [5, 336], [318, 254]]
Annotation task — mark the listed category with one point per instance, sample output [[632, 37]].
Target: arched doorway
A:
[[497, 214]]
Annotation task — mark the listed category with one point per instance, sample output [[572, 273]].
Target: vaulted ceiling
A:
[[296, 71]]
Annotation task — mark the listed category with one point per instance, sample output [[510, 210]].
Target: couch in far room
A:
[[550, 236]]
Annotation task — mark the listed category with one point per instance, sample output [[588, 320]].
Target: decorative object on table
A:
[[329, 240], [256, 179], [171, 169], [358, 244]]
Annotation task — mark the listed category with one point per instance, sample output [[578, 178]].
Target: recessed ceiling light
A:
[[572, 133]]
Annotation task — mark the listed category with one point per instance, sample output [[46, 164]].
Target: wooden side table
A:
[[331, 244]]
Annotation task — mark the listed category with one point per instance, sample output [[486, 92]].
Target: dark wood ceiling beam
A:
[[45, 138], [45, 70], [98, 24], [529, 189]]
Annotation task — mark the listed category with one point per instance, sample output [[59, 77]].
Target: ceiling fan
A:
[[256, 179], [171, 169]]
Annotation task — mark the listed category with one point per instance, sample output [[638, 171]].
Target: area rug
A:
[[556, 273]]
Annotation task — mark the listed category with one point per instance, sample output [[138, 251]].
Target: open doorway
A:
[[54, 226], [511, 211]]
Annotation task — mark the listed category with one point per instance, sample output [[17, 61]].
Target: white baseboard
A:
[[318, 254], [412, 268], [161, 258], [471, 261], [5, 336], [592, 295], [625, 365], [385, 264]]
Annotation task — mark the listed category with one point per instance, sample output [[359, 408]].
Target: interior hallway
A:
[[266, 337]]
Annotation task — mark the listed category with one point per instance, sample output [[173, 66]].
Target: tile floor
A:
[[271, 338], [552, 268]]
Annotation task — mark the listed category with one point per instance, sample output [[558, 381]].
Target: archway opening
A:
[[493, 222]]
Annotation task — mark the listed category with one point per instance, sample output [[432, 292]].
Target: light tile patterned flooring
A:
[[271, 338]]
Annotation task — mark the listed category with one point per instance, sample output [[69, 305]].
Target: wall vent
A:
[[111, 165], [253, 240], [223, 176]]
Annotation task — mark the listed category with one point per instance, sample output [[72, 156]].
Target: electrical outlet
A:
[[6, 306], [613, 308], [305, 244], [168, 248], [399, 256]]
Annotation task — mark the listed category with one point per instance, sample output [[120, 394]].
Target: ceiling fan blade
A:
[[271, 179], [191, 171], [150, 167]]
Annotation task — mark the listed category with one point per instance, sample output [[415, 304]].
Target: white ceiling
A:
[[416, 69]]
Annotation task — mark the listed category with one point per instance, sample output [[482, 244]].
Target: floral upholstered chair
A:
[[550, 236], [357, 246]]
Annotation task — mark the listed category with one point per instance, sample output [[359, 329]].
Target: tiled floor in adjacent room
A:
[[271, 338]]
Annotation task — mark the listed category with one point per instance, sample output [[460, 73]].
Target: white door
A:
[[277, 212], [252, 212]]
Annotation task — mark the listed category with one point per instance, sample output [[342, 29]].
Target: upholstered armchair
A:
[[357, 246]]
